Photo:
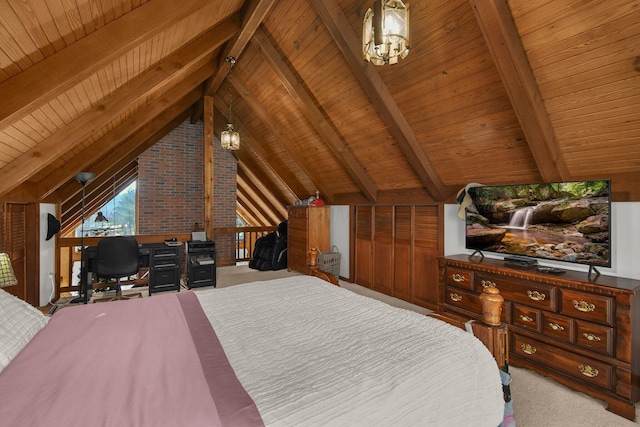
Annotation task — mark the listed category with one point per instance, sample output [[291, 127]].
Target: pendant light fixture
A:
[[385, 32], [229, 138]]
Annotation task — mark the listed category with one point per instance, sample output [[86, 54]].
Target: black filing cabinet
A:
[[201, 264], [164, 268]]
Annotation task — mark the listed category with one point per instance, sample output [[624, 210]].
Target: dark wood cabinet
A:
[[583, 331], [308, 227]]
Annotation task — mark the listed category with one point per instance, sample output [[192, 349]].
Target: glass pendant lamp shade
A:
[[385, 32], [229, 138]]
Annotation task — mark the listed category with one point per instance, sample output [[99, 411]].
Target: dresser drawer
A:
[[596, 308], [527, 317], [579, 367], [532, 294], [463, 299], [557, 326], [470, 301], [297, 224], [459, 277], [298, 213], [594, 337]]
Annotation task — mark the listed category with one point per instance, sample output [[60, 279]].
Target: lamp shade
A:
[[84, 177], [385, 32], [101, 218], [7, 276], [229, 138]]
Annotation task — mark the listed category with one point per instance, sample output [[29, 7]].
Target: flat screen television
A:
[[559, 221]]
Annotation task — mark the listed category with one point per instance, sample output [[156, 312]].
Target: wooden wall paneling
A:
[[428, 244], [363, 246], [19, 227], [32, 257], [383, 260], [403, 252]]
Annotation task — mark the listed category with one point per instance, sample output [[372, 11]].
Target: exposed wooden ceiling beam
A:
[[151, 124], [316, 117], [59, 72], [265, 174], [178, 65], [340, 29], [509, 56], [247, 175], [113, 106], [116, 161], [249, 205], [270, 123], [256, 11], [247, 216], [258, 200], [286, 179]]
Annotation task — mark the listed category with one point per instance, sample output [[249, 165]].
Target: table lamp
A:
[[7, 276]]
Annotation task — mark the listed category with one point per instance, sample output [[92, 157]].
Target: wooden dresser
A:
[[582, 331], [308, 227]]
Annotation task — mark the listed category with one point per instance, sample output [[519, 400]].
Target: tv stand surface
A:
[[582, 331], [521, 261]]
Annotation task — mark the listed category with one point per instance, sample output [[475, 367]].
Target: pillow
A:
[[19, 322]]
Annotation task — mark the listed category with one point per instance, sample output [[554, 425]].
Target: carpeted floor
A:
[[537, 401]]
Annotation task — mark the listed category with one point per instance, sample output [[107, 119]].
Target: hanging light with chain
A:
[[229, 138], [385, 32]]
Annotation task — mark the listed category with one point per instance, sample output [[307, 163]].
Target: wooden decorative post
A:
[[491, 301]]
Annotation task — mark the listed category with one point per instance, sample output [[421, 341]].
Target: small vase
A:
[[313, 256], [491, 301]]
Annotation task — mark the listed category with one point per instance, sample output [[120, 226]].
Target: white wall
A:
[[47, 254], [339, 224], [625, 240]]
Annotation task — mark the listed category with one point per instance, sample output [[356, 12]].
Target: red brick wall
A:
[[171, 190]]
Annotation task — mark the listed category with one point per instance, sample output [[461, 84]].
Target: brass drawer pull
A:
[[457, 277], [591, 337], [588, 371], [455, 297], [556, 327], [583, 306], [536, 296], [487, 284], [528, 348], [526, 318]]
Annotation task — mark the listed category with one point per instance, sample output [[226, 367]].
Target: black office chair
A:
[[117, 257]]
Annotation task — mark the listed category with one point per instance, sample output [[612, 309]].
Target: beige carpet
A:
[[537, 401]]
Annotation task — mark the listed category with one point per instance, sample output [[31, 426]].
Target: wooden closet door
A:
[[402, 252], [427, 245], [383, 250], [363, 245]]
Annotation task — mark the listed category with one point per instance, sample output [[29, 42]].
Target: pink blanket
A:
[[145, 362]]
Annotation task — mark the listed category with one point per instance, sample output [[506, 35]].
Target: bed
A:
[[289, 352]]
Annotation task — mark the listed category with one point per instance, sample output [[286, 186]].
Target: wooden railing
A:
[[233, 245], [245, 239]]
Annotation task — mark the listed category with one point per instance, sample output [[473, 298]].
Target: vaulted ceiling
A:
[[493, 91]]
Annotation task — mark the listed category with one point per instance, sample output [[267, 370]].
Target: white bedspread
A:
[[313, 354]]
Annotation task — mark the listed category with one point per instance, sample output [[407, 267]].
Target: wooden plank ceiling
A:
[[493, 91]]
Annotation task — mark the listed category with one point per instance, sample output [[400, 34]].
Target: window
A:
[[117, 217]]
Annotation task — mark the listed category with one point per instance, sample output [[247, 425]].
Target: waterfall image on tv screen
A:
[[562, 221]]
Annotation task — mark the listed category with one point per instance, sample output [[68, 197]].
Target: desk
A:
[[163, 262]]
